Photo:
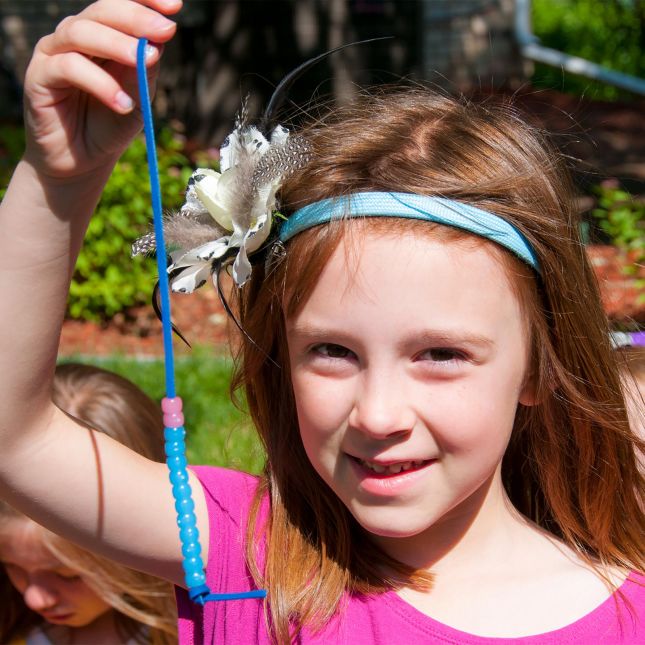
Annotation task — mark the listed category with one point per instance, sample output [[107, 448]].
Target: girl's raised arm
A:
[[80, 95]]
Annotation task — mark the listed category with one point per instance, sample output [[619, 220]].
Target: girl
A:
[[449, 457], [630, 352], [82, 597]]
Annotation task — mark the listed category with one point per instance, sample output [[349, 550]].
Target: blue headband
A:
[[412, 206]]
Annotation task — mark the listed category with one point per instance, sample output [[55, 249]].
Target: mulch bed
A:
[[201, 317]]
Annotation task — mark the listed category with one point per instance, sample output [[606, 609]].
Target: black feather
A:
[[217, 270], [279, 95], [157, 309]]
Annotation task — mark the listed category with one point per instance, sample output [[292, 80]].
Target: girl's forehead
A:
[[365, 259], [402, 284]]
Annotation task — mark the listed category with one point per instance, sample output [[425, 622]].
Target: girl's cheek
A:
[[324, 402]]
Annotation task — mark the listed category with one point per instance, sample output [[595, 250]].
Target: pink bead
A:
[[173, 420], [171, 405]]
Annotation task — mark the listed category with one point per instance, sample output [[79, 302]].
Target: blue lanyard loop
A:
[[174, 431]]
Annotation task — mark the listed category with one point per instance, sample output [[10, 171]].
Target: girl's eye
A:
[[12, 568], [442, 355], [16, 574], [330, 350], [70, 577]]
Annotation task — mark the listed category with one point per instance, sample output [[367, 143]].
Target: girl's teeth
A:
[[393, 469]]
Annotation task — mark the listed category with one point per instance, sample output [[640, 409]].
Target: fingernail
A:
[[124, 101], [150, 51], [161, 23]]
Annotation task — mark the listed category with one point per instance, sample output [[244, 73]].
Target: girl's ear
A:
[[528, 398], [528, 394]]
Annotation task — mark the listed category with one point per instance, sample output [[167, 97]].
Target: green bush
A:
[[621, 217], [12, 143], [609, 33], [107, 280]]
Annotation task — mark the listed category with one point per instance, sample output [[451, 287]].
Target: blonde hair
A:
[[632, 363], [570, 465], [145, 605]]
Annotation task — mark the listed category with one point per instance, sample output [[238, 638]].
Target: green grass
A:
[[217, 432]]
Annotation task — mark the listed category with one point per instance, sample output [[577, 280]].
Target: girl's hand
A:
[[81, 89]]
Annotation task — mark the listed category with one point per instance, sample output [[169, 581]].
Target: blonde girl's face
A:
[[408, 362], [48, 587]]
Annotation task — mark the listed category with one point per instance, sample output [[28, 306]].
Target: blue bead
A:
[[171, 434], [188, 534], [185, 505], [195, 579], [191, 549], [174, 434], [179, 477], [175, 448], [181, 491], [193, 564], [186, 519], [176, 462]]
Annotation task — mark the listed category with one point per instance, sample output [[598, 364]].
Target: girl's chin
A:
[[389, 524], [59, 619]]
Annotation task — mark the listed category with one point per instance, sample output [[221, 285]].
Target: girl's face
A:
[[48, 587], [407, 365]]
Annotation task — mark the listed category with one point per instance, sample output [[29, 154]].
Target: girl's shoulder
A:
[[225, 479], [229, 493]]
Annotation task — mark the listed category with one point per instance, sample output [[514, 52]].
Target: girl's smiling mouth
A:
[[387, 478], [393, 467]]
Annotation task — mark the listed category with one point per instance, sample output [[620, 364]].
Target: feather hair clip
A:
[[228, 215]]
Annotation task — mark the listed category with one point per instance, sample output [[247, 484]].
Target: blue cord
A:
[[175, 447], [155, 190]]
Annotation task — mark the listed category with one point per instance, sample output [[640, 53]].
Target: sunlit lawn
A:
[[217, 432]]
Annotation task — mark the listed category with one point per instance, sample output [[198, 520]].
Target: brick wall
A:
[[457, 44], [470, 43]]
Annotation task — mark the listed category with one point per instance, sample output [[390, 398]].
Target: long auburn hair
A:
[[145, 606], [570, 466]]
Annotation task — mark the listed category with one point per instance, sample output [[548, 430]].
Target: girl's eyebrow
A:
[[425, 336], [453, 337]]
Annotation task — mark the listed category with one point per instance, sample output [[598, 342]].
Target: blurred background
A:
[[574, 67]]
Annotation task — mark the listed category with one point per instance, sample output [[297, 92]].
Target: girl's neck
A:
[[479, 533]]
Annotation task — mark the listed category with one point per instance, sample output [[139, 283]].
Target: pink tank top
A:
[[381, 619]]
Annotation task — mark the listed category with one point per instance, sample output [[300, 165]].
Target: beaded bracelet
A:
[[171, 405]]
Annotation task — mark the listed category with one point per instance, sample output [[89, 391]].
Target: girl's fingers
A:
[[109, 29], [75, 70], [131, 18], [97, 40], [128, 81], [86, 51]]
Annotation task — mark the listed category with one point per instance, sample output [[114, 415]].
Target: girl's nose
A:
[[381, 409], [39, 596]]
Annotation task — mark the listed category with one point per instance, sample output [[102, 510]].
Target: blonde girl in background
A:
[[55, 592], [630, 351], [427, 364]]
